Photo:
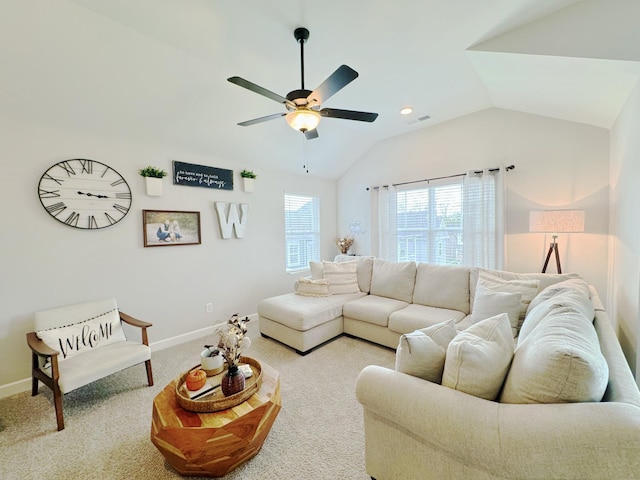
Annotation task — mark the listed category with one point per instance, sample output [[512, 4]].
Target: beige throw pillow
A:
[[422, 353], [316, 270], [527, 288], [342, 277], [488, 303], [478, 359], [308, 287]]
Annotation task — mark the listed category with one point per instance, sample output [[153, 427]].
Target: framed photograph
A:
[[164, 228]]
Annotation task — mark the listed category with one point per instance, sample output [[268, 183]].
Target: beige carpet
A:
[[317, 435]]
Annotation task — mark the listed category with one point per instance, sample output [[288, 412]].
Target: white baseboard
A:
[[15, 387], [179, 339], [24, 385]]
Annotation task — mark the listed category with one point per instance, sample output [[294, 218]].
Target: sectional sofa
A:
[[389, 299], [498, 375]]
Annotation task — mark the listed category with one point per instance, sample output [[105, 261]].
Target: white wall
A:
[[47, 264], [625, 228], [559, 164]]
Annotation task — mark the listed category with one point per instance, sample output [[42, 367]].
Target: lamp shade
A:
[[303, 119], [556, 221]]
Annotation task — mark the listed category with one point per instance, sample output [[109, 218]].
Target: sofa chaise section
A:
[[301, 322]]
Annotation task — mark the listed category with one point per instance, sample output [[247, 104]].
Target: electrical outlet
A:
[[209, 307]]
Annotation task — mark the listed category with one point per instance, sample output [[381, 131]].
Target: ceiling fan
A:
[[303, 105]]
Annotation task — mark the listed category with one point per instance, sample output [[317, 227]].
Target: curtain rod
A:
[[510, 167]]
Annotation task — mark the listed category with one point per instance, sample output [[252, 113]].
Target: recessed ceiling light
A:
[[406, 110]]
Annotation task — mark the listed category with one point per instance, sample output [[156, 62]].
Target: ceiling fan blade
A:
[[311, 134], [348, 114], [241, 82], [335, 82], [273, 116]]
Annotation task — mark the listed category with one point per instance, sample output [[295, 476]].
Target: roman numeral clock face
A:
[[84, 194]]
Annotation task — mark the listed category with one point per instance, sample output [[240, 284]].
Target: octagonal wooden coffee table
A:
[[213, 444]]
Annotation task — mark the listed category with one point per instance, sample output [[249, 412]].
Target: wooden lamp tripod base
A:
[[553, 247]]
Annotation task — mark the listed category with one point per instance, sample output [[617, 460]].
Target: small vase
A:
[[232, 381]]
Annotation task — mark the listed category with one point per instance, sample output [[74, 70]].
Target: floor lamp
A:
[[555, 222]]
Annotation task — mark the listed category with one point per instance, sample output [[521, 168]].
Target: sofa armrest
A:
[[446, 419], [38, 347], [128, 319], [578, 440]]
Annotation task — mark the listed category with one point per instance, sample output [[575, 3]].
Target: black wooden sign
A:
[[202, 176]]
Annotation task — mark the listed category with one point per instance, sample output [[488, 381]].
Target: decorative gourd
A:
[[196, 379]]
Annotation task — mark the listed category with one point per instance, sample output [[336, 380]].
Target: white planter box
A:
[[154, 186], [248, 184]]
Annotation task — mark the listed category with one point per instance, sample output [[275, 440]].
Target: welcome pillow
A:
[[478, 359], [422, 353], [79, 337]]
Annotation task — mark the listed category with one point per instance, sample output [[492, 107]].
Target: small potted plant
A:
[[211, 361], [248, 177], [153, 177]]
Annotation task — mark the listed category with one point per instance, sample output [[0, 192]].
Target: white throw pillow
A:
[[478, 358], [316, 270], [342, 277], [527, 288], [79, 337], [422, 352], [308, 287], [365, 269], [488, 303]]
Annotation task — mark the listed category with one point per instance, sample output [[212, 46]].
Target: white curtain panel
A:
[[484, 218], [383, 222]]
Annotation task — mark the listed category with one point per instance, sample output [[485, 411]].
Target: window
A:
[[429, 224], [302, 231], [457, 220]]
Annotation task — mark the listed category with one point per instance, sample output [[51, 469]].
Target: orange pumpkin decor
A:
[[196, 379]]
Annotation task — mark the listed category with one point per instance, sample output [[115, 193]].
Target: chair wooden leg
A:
[[57, 400], [34, 380], [149, 372]]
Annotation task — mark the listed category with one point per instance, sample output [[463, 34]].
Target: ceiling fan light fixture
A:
[[303, 119]]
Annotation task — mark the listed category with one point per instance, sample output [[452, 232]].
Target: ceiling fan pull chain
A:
[[305, 155]]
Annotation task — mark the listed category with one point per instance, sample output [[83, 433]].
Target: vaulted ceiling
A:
[[155, 71]]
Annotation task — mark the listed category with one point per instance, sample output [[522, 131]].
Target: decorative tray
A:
[[214, 400]]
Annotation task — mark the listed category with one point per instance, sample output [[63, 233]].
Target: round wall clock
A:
[[84, 193]]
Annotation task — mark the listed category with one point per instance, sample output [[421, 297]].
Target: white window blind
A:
[[429, 224], [302, 231]]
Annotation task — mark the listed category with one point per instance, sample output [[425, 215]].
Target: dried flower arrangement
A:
[[232, 339], [344, 243]]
